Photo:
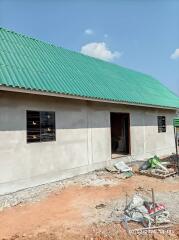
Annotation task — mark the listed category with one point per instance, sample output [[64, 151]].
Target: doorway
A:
[[120, 134]]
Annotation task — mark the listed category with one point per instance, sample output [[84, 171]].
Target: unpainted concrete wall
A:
[[83, 139]]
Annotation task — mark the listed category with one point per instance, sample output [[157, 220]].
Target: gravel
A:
[[35, 194], [95, 178], [171, 201], [29, 195]]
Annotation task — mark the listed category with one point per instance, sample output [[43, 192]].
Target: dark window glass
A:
[[161, 124], [33, 126], [47, 126], [40, 126]]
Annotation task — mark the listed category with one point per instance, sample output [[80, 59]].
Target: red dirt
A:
[[66, 212]]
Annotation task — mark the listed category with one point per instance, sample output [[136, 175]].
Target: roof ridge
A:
[[26, 36], [75, 52]]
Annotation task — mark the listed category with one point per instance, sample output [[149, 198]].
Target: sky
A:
[[139, 34]]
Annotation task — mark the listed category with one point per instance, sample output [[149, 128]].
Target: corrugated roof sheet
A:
[[35, 65]]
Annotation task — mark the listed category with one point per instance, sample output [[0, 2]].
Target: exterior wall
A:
[[83, 141]]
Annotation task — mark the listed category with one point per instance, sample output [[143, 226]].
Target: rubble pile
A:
[[122, 169], [156, 168], [145, 212]]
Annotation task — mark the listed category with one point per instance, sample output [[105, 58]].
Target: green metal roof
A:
[[35, 65]]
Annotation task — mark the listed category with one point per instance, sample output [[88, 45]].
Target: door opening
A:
[[120, 134]]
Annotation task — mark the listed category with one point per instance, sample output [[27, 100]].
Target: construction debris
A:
[[111, 169], [127, 174], [122, 169], [153, 167], [100, 206], [154, 173], [156, 168], [148, 213]]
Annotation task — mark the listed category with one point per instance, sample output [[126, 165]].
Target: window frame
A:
[[41, 140], [162, 128]]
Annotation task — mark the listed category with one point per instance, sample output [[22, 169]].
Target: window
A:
[[40, 126], [161, 124]]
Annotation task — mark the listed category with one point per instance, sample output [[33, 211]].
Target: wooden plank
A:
[[161, 176]]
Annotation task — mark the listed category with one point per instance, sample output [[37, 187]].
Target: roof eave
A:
[[45, 93]]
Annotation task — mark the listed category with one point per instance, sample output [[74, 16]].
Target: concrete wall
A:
[[83, 141]]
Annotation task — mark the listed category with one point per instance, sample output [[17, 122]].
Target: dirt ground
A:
[[74, 211]]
